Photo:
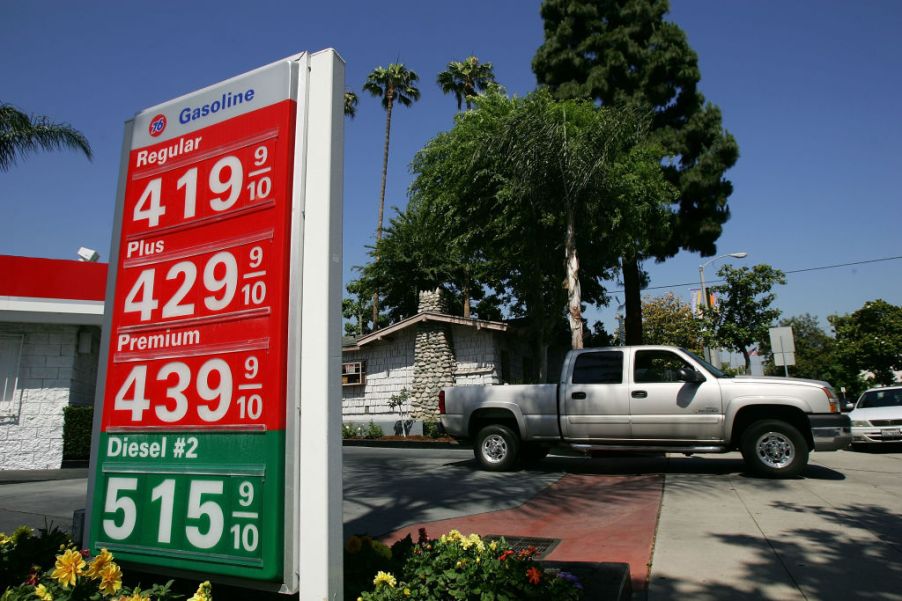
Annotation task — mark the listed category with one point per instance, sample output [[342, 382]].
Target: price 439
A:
[[208, 391]]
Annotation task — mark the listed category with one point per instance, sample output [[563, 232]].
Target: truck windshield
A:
[[714, 371]]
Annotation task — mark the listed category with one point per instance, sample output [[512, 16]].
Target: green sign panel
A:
[[176, 499]]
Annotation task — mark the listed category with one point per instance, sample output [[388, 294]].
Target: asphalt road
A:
[[835, 533]]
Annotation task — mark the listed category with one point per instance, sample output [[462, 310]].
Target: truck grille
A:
[[886, 422]]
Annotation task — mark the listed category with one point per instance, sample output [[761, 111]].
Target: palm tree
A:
[[350, 104], [392, 84], [465, 79], [21, 134]]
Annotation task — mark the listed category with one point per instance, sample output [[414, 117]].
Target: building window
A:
[[353, 373], [10, 349]]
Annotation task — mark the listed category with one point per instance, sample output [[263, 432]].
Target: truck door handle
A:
[[578, 395], [639, 394]]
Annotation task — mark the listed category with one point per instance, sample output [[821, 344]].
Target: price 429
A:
[[213, 384], [220, 281]]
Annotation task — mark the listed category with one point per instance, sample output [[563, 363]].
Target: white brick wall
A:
[[389, 369], [31, 425], [478, 356]]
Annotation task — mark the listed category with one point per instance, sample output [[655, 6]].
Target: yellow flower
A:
[[384, 578], [69, 565], [204, 592], [135, 596], [110, 579], [41, 592], [406, 592], [101, 561], [493, 545]]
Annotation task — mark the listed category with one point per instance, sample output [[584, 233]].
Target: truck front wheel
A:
[[774, 449], [497, 448]]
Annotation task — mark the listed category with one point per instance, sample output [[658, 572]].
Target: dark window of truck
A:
[[657, 366], [604, 367]]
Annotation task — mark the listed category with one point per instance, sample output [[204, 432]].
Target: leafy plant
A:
[[372, 431], [348, 431], [26, 548], [398, 402], [455, 566], [78, 421], [73, 576], [433, 429]]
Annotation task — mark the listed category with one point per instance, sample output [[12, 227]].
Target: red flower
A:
[[505, 555], [534, 575], [85, 553], [528, 552]]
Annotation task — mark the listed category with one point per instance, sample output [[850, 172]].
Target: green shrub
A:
[[372, 431], [455, 566], [78, 421], [433, 429], [348, 431]]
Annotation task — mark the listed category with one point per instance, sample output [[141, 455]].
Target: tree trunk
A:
[[574, 292], [632, 300], [391, 97], [466, 293], [748, 360]]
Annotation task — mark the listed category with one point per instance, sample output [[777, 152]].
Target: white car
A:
[[877, 416]]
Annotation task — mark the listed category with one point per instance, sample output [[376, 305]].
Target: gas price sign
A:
[[189, 462]]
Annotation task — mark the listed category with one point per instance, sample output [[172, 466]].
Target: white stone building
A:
[[50, 315], [420, 355]]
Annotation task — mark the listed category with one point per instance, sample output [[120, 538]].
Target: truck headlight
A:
[[860, 423]]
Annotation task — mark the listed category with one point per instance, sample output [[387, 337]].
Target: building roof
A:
[[37, 290], [349, 344]]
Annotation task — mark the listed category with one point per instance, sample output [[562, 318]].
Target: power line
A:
[[821, 268]]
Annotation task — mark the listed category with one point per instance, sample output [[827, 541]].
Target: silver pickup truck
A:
[[649, 398]]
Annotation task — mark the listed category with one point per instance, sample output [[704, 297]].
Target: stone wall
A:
[[31, 424]]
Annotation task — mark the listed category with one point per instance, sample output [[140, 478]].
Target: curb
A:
[[401, 444]]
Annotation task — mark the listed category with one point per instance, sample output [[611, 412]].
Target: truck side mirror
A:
[[687, 374]]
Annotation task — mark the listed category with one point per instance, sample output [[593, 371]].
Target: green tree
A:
[[668, 320], [396, 83], [350, 104], [813, 347], [870, 340], [744, 313], [21, 134], [509, 194], [466, 79], [625, 53]]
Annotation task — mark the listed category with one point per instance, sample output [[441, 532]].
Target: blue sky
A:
[[808, 88]]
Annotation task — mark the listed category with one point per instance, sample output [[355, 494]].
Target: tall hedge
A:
[[78, 421]]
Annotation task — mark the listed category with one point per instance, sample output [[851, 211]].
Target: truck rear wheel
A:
[[774, 449], [497, 448]]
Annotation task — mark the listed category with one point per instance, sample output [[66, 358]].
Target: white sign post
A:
[[784, 348]]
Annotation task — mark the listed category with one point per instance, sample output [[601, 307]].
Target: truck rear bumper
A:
[[831, 431]]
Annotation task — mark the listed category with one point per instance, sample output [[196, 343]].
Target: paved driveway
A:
[[836, 533]]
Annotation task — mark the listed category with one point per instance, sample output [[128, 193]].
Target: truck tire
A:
[[774, 449], [497, 448]]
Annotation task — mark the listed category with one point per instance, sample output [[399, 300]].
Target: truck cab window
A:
[[603, 367], [657, 366]]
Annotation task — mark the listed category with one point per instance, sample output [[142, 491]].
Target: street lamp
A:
[[701, 277]]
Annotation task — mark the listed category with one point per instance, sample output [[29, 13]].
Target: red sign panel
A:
[[198, 333]]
